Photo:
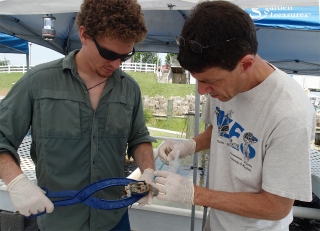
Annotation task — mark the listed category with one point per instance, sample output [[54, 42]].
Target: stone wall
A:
[[181, 106]]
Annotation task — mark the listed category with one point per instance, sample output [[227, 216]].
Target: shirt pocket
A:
[[119, 117], [59, 114]]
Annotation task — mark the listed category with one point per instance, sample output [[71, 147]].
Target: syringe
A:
[[174, 164]]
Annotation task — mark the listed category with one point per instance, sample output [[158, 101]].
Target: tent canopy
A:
[[288, 34], [11, 7], [12, 44]]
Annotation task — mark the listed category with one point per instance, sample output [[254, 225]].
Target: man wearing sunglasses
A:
[[85, 115], [261, 126]]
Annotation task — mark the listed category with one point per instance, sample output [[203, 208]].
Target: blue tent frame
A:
[[12, 44]]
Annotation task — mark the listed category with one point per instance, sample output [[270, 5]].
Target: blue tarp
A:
[[12, 44]]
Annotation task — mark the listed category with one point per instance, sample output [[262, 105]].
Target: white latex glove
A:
[[27, 197], [173, 187], [147, 176], [168, 149]]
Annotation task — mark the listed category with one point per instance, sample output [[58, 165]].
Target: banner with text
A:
[[291, 17]]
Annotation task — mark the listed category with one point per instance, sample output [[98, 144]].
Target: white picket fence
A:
[[136, 67], [139, 67], [14, 68]]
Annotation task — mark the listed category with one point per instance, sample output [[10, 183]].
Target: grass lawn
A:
[[149, 86], [7, 80]]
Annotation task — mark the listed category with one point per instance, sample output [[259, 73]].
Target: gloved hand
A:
[[168, 149], [147, 176], [173, 187], [27, 197]]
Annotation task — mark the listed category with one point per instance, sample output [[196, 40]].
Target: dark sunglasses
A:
[[197, 47], [110, 55]]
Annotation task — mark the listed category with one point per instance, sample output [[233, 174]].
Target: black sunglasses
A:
[[197, 47], [110, 55]]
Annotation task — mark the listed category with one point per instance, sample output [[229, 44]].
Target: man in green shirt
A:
[[85, 114]]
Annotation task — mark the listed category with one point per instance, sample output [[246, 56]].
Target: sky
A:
[[40, 54]]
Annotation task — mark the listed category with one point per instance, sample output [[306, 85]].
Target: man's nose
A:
[[115, 63], [203, 88]]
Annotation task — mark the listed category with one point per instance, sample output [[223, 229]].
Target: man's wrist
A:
[[193, 145], [195, 194], [9, 169], [15, 180]]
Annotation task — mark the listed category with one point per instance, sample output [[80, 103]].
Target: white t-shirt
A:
[[261, 141]]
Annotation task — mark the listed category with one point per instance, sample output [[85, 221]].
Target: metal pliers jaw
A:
[[84, 196]]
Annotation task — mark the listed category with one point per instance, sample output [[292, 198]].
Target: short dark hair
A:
[[214, 22], [117, 19]]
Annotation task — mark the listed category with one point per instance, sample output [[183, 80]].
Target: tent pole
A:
[[205, 208], [27, 59], [195, 156]]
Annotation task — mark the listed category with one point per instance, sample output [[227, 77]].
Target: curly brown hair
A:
[[117, 19]]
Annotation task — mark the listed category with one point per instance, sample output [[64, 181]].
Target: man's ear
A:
[[247, 63], [82, 35]]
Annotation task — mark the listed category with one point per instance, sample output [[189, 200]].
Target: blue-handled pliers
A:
[[84, 196]]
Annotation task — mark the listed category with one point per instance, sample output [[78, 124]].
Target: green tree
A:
[[168, 58], [146, 57], [5, 62]]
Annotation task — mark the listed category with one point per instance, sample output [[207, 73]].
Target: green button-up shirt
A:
[[73, 145]]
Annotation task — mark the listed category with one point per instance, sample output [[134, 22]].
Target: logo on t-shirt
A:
[[232, 132]]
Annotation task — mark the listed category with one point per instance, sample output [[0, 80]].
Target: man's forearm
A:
[[8, 168], [143, 156], [262, 205]]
